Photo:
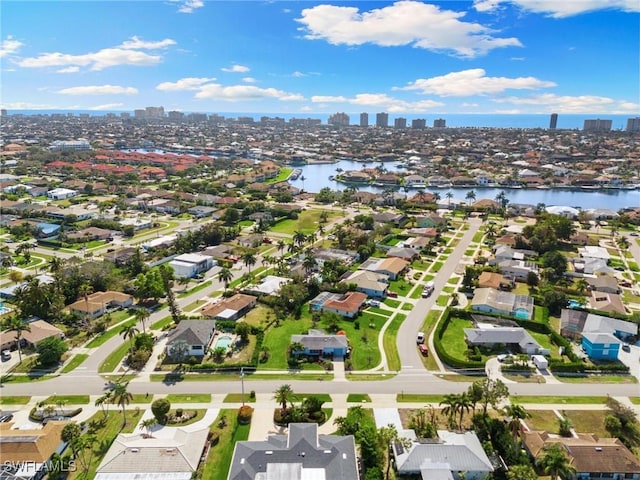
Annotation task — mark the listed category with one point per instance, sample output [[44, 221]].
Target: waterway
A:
[[316, 177]]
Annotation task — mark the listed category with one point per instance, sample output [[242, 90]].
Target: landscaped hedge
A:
[[442, 354]]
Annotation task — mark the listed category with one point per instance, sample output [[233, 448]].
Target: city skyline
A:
[[406, 57]]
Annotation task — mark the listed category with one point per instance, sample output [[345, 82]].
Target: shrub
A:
[[160, 408], [245, 412], [252, 394], [139, 359]]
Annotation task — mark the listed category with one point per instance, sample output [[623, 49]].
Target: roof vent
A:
[[269, 452], [598, 449], [134, 450], [327, 451]]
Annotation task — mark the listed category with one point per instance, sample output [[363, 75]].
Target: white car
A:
[[420, 337]]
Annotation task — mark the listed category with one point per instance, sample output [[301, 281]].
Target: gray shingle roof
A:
[[194, 332]]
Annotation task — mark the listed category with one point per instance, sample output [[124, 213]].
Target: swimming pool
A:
[[4, 309], [223, 341], [574, 304]]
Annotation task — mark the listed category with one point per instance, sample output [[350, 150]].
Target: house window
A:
[[605, 352], [196, 347]]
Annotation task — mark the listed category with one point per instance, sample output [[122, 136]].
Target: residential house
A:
[[319, 343], [417, 243], [606, 302], [600, 346], [300, 454], [232, 308], [61, 193], [604, 283], [26, 451], [79, 213], [251, 241], [391, 267], [516, 338], [451, 457], [589, 251], [173, 454], [424, 232], [38, 331], [47, 230], [432, 220], [396, 219], [517, 269], [136, 222], [493, 280], [203, 211], [269, 285], [405, 253], [491, 300], [592, 266], [347, 305], [191, 264], [197, 334], [120, 257], [88, 234], [593, 457], [323, 254], [99, 303], [505, 252], [371, 283]]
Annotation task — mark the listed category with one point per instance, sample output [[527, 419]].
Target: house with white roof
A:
[[191, 264], [599, 253], [61, 193]]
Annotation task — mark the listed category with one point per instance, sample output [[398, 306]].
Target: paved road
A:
[[409, 355]]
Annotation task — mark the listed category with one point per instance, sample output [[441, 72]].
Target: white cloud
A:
[[559, 8], [549, 102], [128, 53], [470, 105], [190, 83], [249, 80], [298, 74], [473, 82], [107, 106], [236, 93], [135, 43], [9, 45], [29, 106], [99, 90], [381, 100], [188, 6], [405, 22], [68, 70], [236, 69]]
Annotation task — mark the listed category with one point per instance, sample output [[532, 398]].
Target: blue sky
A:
[[483, 56]]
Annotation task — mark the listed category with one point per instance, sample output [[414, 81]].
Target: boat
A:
[[295, 174]]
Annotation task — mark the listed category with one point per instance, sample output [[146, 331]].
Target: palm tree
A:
[[281, 246], [515, 413], [555, 463], [84, 291], [299, 238], [302, 179], [463, 406], [449, 196], [16, 324], [225, 276], [103, 400], [581, 286], [55, 265], [309, 262], [470, 196], [122, 398], [283, 396], [148, 424], [249, 260], [142, 315], [130, 332], [450, 402], [623, 243]]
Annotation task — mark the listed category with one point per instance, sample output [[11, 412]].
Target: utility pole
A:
[[242, 381]]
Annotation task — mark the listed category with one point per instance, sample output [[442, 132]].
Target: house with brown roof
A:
[[38, 331], [591, 456], [346, 305], [33, 447], [99, 303], [606, 302], [493, 280], [391, 267], [231, 308]]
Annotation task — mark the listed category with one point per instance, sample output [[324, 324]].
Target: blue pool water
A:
[[223, 341], [574, 304]]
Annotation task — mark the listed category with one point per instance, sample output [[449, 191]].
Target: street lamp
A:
[[242, 381]]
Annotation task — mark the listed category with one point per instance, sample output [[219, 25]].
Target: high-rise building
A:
[[400, 122], [419, 123], [339, 119], [3, 112], [175, 115], [553, 121], [440, 123], [597, 125], [633, 124], [382, 119], [155, 112], [364, 119]]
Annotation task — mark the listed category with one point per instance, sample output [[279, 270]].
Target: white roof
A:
[[192, 258]]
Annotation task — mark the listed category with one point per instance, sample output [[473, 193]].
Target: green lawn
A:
[[76, 361], [379, 311], [418, 398], [443, 300], [364, 341], [67, 399], [453, 337], [299, 397], [580, 400], [401, 287], [436, 266], [542, 420], [314, 376], [189, 397], [307, 222], [142, 398], [358, 397], [588, 421], [162, 323], [216, 466], [283, 175], [237, 398], [390, 344], [277, 339], [407, 307], [600, 379], [195, 289], [392, 303], [109, 334], [114, 358], [635, 400], [14, 399]]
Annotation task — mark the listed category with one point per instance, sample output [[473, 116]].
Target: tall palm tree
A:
[[281, 246], [129, 332], [55, 265], [142, 315], [299, 238], [463, 406], [470, 196], [309, 262], [515, 413], [283, 396], [449, 196], [249, 260], [84, 291], [148, 424], [15, 323], [225, 276], [103, 401], [450, 402], [554, 462], [122, 398]]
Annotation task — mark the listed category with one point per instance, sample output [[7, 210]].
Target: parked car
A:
[[424, 350], [392, 294], [374, 303], [626, 347], [6, 355], [7, 417], [420, 338]]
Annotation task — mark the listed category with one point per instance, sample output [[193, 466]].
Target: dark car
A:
[[7, 417]]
